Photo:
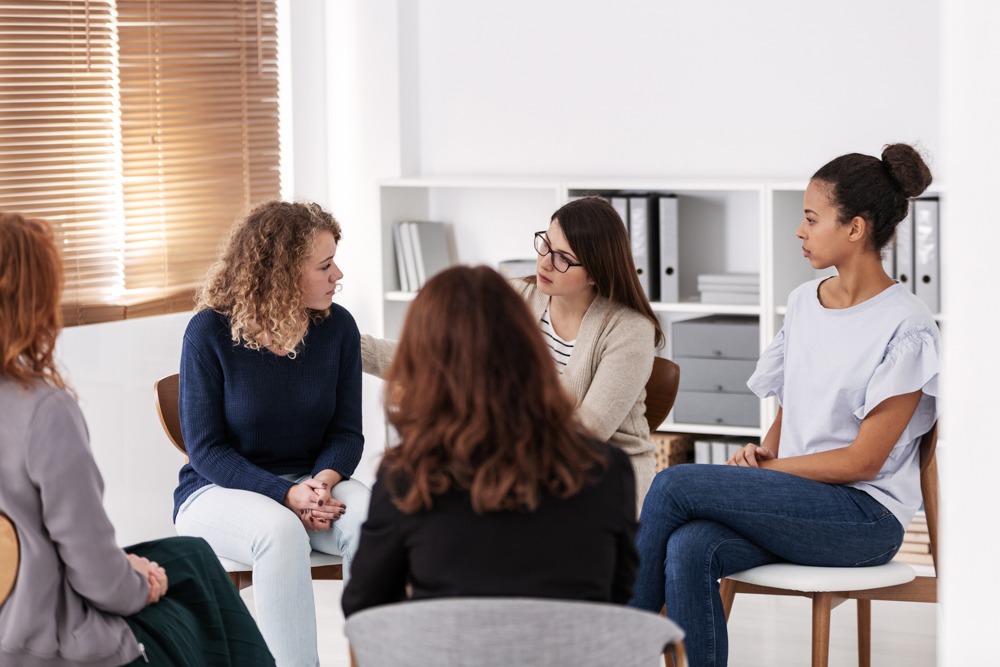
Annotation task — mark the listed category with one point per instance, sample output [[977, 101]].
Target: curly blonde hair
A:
[[256, 281]]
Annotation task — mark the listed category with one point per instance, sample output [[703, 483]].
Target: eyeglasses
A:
[[560, 262]]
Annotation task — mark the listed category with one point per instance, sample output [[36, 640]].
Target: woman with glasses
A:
[[599, 326], [505, 494], [270, 409]]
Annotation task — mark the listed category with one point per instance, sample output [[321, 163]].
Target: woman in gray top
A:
[[79, 599]]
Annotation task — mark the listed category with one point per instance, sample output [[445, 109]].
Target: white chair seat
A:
[[826, 579], [316, 559]]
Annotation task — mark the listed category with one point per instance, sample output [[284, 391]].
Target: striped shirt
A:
[[559, 348]]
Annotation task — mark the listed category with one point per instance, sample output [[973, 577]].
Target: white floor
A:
[[765, 631]]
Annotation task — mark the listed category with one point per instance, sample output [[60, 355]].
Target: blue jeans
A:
[[703, 522]]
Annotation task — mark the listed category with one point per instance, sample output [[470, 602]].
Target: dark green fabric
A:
[[202, 620]]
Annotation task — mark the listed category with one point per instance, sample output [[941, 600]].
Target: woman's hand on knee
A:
[[155, 575], [315, 508], [749, 455]]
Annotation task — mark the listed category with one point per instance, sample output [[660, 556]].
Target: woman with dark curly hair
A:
[[270, 408], [79, 600], [496, 488], [855, 371]]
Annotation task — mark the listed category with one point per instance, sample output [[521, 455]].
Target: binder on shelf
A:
[[668, 232], [620, 204], [431, 252], [904, 251], [889, 259], [408, 268], [926, 252], [401, 258], [642, 235]]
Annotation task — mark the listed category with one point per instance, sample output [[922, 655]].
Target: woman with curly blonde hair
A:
[[270, 408], [78, 599]]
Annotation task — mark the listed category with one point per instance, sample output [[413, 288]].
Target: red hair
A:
[[30, 287], [474, 394]]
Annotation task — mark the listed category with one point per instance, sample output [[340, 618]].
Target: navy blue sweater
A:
[[249, 416]]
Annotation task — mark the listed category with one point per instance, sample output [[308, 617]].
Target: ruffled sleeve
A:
[[912, 361], [769, 377]]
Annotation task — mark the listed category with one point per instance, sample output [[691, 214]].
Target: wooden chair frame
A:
[[10, 556], [661, 391], [921, 589], [167, 392]]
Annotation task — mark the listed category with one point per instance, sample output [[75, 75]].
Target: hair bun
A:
[[908, 168]]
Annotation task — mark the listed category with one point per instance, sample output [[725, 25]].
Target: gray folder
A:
[[620, 204], [927, 252], [904, 251], [431, 252], [644, 250], [669, 276]]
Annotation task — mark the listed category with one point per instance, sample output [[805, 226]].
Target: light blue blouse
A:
[[829, 368]]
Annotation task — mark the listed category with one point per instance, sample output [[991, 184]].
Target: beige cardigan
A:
[[607, 373]]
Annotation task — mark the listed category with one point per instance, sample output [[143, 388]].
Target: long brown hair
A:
[[477, 401], [597, 235], [255, 282], [31, 278]]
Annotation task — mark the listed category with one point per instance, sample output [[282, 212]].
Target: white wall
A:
[[768, 88], [970, 238]]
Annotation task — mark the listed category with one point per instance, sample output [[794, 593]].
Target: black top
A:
[[579, 548]]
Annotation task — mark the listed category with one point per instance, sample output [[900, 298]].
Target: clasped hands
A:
[[155, 575], [750, 455], [312, 503]]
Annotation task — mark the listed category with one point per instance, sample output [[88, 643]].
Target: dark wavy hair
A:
[[877, 190], [597, 235], [31, 279], [477, 401]]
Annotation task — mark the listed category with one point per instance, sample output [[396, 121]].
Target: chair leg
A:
[[864, 633], [822, 604], [727, 590]]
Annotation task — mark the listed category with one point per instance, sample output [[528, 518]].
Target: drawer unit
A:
[[717, 336], [715, 375], [702, 407]]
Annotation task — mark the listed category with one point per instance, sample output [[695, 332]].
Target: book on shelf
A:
[[716, 450], [729, 280], [926, 253], [739, 298], [423, 249]]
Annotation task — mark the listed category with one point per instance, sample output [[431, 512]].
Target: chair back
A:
[[929, 486], [10, 556], [661, 391], [167, 391], [448, 632]]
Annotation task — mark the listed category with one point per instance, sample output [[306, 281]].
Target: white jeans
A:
[[251, 528]]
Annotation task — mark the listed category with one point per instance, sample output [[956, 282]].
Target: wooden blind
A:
[[181, 141], [58, 134]]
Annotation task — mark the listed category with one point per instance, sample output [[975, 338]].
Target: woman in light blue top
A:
[[855, 370]]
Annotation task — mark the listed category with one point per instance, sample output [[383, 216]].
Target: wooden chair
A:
[[10, 556], [661, 391], [167, 391], [830, 586], [528, 632]]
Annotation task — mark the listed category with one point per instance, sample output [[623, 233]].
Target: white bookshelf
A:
[[723, 226]]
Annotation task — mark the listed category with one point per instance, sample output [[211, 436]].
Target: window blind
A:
[[141, 129]]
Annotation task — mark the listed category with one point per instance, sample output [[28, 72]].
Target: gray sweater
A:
[[74, 584], [607, 373]]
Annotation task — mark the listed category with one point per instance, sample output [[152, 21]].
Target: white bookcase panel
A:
[[724, 226]]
